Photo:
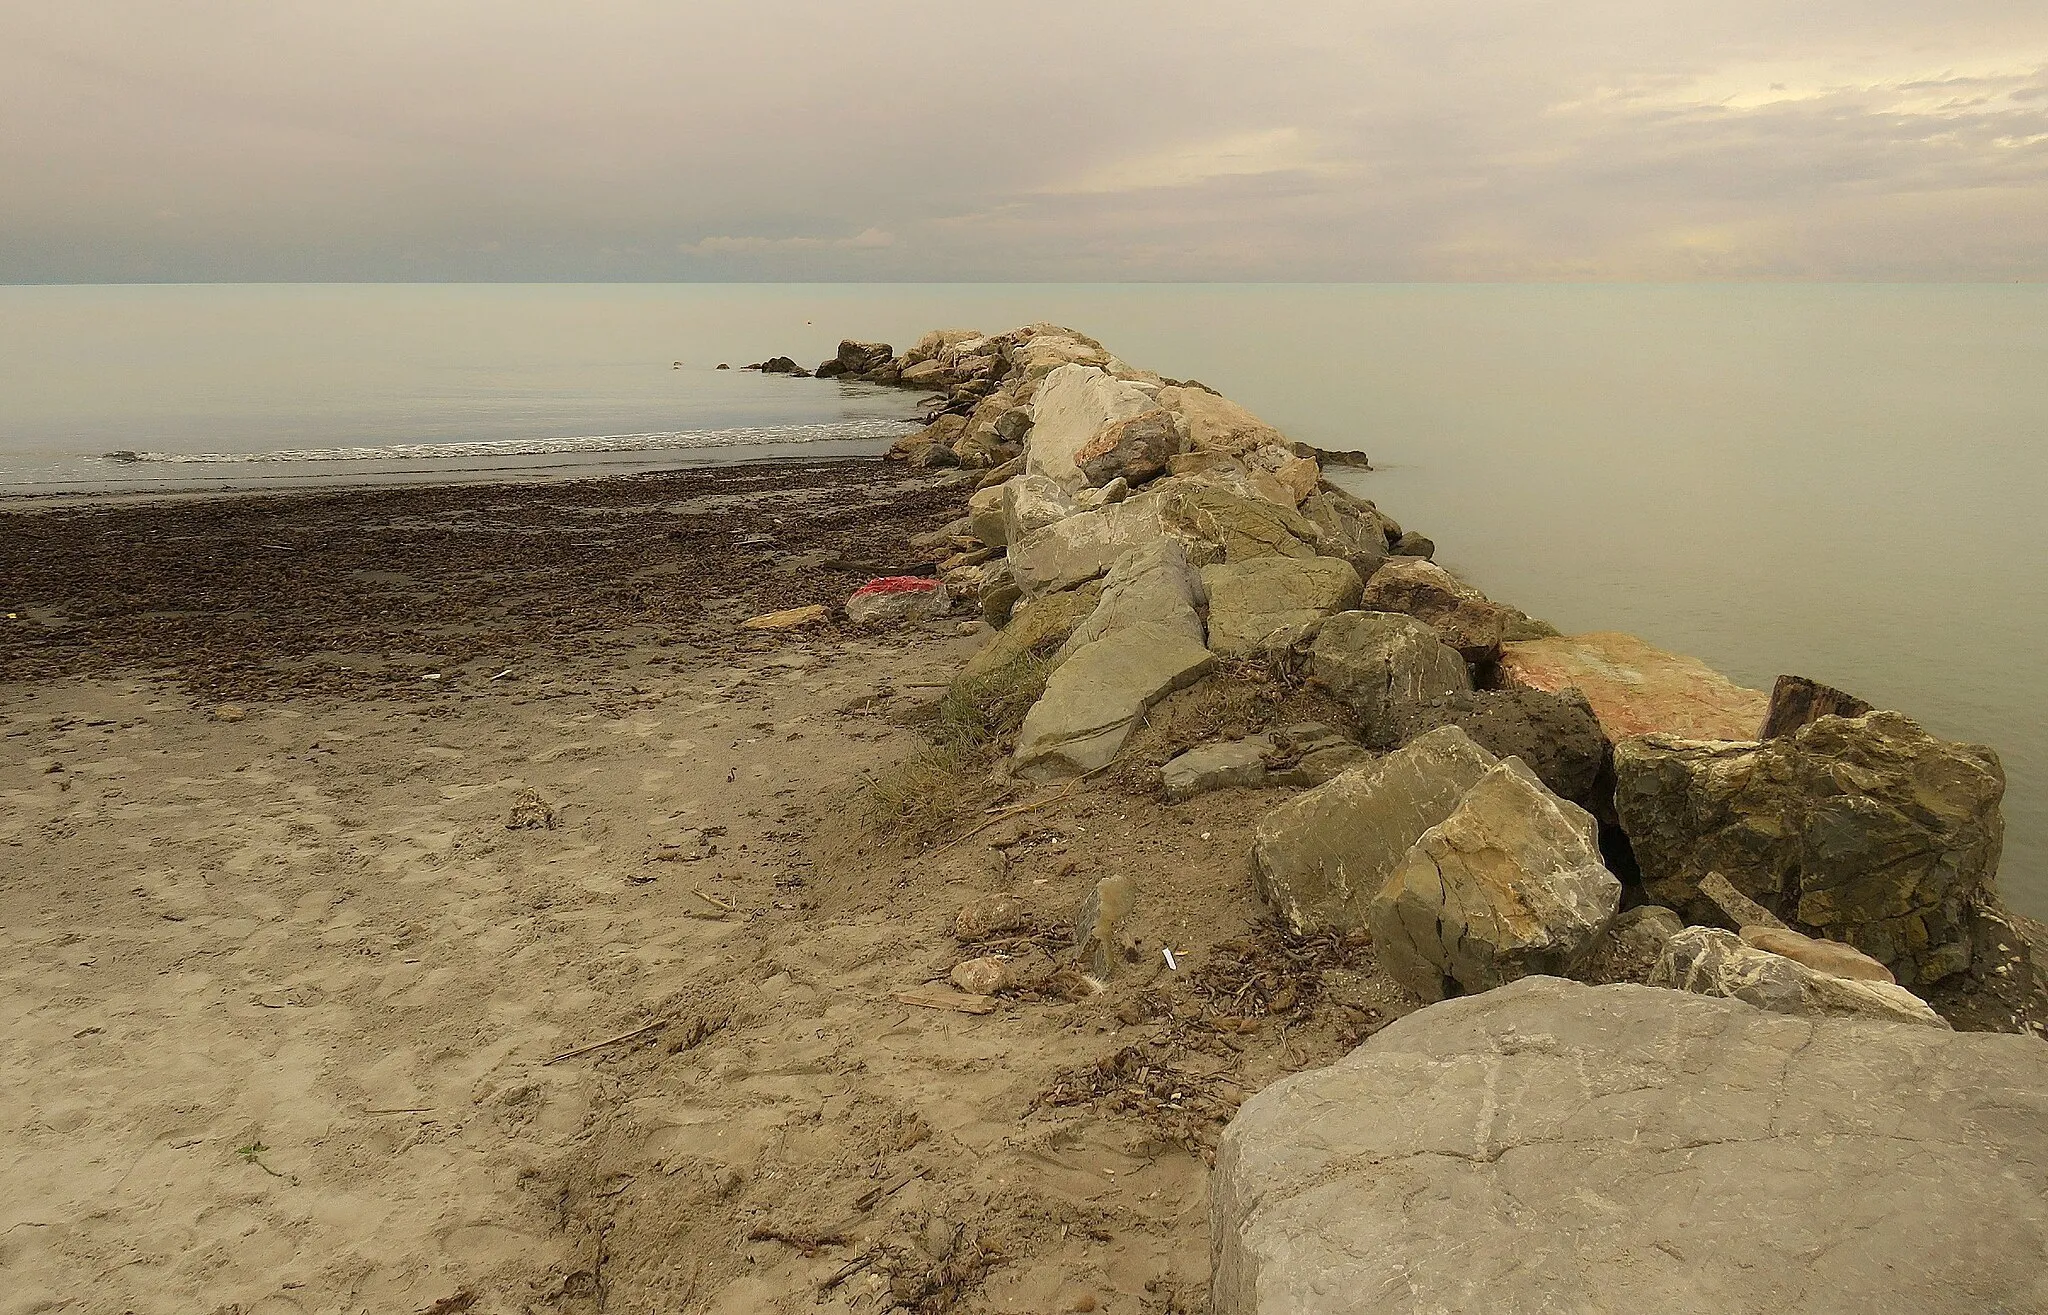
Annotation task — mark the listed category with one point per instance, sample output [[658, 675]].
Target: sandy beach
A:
[[432, 900]]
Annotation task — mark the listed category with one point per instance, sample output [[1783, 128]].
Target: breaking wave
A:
[[683, 440]]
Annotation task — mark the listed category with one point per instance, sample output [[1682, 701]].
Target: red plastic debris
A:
[[897, 584]]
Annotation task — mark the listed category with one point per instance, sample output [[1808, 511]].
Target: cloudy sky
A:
[[1034, 140]]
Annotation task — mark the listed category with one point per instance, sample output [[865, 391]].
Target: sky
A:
[[1038, 140]]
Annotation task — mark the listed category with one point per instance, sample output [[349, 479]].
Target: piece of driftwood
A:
[[945, 997], [655, 1026], [1740, 908], [1797, 701]]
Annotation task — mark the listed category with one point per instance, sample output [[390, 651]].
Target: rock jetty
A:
[[1496, 807]]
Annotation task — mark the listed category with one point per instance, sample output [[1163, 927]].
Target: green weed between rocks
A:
[[946, 785]]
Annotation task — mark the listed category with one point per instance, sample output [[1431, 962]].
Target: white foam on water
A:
[[696, 439]]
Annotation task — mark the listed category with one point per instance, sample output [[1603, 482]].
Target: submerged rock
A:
[[1556, 1147], [1509, 885], [1865, 830], [1321, 857], [1709, 961]]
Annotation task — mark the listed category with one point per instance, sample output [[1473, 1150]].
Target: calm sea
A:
[[1847, 482]]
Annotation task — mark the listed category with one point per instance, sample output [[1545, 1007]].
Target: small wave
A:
[[828, 431]]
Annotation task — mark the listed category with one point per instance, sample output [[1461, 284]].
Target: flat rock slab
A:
[[1635, 688], [1551, 1147], [1096, 697]]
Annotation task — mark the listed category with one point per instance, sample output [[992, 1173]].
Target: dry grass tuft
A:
[[944, 787]]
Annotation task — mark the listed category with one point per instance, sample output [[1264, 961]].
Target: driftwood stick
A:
[[655, 1026]]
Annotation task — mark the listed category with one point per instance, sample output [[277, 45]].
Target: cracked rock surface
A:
[[1556, 1147]]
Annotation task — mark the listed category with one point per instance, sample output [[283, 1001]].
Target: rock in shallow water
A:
[[1550, 1147]]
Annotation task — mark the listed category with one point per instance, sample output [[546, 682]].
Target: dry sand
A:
[[286, 998]]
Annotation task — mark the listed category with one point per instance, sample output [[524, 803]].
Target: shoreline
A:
[[558, 941]]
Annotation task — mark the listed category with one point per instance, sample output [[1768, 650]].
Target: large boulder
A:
[[1092, 702], [1083, 546], [1030, 503], [1351, 528], [1239, 527], [1551, 1147], [1250, 600], [862, 357], [1321, 857], [1709, 961], [1150, 585], [1135, 450], [1508, 886], [1556, 734], [1464, 617], [1866, 830], [1217, 424], [1072, 406], [1382, 663], [1636, 689]]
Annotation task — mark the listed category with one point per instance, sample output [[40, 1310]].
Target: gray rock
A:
[[1238, 527], [1072, 406], [1321, 857], [1864, 830], [1382, 664], [1084, 545], [1096, 697], [988, 516], [1550, 1147], [1030, 504], [1351, 528], [1634, 942], [1149, 585], [1095, 499], [1462, 616], [1510, 885], [1249, 600], [1311, 754], [1556, 734], [1709, 961], [1136, 449], [1412, 544], [862, 357], [1219, 766], [897, 601]]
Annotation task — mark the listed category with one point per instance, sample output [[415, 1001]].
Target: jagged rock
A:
[[1030, 503], [1096, 697], [1249, 600], [1864, 830], [1014, 425], [1149, 585], [1551, 1147], [1217, 424], [1040, 626], [1096, 499], [988, 516], [1321, 857], [1830, 957], [1329, 457], [1083, 546], [831, 369], [861, 357], [1218, 766], [933, 343], [1740, 910], [897, 600], [999, 593], [1241, 528], [1412, 544], [929, 374], [1556, 734], [1636, 689], [1072, 406], [2006, 988], [1797, 701], [1709, 961], [1508, 886], [1462, 616], [1382, 663], [1351, 528], [1135, 450]]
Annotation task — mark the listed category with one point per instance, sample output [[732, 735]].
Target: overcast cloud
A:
[[1334, 139]]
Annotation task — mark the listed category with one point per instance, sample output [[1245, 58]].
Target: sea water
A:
[[1843, 481]]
